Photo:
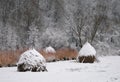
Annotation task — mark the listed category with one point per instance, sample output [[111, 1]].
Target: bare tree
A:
[[78, 23], [100, 18]]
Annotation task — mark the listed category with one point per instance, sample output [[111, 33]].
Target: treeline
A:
[[59, 23]]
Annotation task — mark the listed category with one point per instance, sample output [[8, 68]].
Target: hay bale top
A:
[[50, 50], [31, 57], [87, 50]]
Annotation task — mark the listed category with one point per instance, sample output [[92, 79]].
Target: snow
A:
[[32, 58], [87, 50], [108, 70], [50, 49]]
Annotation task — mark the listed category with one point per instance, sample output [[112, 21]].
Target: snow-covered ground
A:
[[107, 70]]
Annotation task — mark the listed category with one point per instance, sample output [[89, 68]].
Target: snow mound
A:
[[31, 60], [87, 50], [50, 50]]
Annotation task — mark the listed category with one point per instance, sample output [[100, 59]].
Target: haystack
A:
[[50, 50], [31, 60], [49, 54], [87, 54]]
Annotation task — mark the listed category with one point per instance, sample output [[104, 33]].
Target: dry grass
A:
[[66, 54], [61, 54], [86, 59], [10, 57]]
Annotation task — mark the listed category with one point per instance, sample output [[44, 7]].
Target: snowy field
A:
[[107, 70]]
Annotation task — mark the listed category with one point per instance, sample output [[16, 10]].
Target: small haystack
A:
[[87, 54], [50, 50], [50, 54], [31, 60]]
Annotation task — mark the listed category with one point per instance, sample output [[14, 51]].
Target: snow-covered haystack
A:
[[50, 57], [49, 54], [31, 60], [87, 54], [50, 50]]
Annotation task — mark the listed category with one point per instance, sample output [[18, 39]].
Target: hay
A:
[[86, 59], [31, 60]]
